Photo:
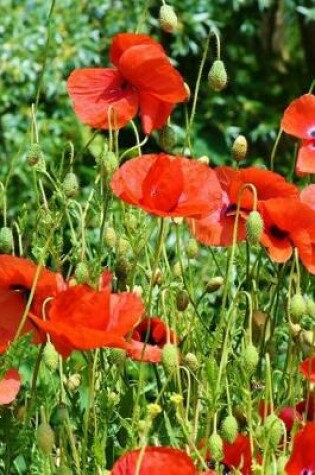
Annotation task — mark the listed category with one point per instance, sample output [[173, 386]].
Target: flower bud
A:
[[217, 76], [214, 284], [123, 246], [70, 185], [168, 19], [45, 437], [154, 410], [177, 271], [182, 300], [239, 148], [254, 228], [110, 237], [111, 162], [229, 429], [157, 277], [274, 429], [192, 249], [34, 154], [170, 358], [81, 273], [6, 240], [250, 359], [297, 308], [167, 138], [117, 356], [216, 447], [74, 381], [50, 356], [204, 159], [191, 362]]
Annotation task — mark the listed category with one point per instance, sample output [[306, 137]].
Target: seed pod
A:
[[239, 148], [229, 429], [274, 430], [168, 19], [254, 228], [217, 76], [82, 273], [192, 249], [50, 356], [34, 154], [45, 437], [70, 185], [297, 308], [167, 138], [214, 284], [216, 447], [170, 357], [182, 300], [6, 240], [250, 359]]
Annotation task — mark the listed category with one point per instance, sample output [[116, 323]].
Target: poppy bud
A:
[[70, 185], [254, 227], [216, 447], [168, 19], [182, 300], [122, 268], [191, 362], [6, 240], [217, 76], [214, 284], [110, 237], [60, 415], [123, 246], [177, 271], [212, 370], [204, 159], [297, 308], [192, 249], [111, 162], [74, 381], [50, 356], [167, 138], [45, 437], [310, 308], [34, 154], [229, 429], [157, 277], [81, 273], [64, 470], [250, 358], [131, 222], [117, 356], [239, 148], [274, 429], [170, 357]]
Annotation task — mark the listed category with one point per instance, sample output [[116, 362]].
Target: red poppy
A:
[[307, 368], [237, 455], [16, 280], [165, 185], [299, 120], [155, 461], [288, 223], [290, 416], [143, 78], [307, 196], [307, 407], [302, 460], [148, 340], [216, 229], [81, 318], [9, 386]]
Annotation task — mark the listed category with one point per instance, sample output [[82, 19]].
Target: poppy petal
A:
[[302, 458], [306, 158], [153, 112], [123, 41], [9, 386], [299, 117], [307, 196], [102, 98], [307, 368]]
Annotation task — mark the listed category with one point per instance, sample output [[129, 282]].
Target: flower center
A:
[[277, 232]]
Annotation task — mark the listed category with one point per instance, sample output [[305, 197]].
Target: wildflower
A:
[[165, 185], [299, 120], [9, 386], [307, 196], [307, 368], [143, 79], [237, 455], [148, 340], [302, 458]]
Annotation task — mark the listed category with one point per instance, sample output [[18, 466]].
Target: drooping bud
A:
[[70, 185], [50, 356], [170, 357], [217, 76], [6, 240], [192, 249], [45, 437], [239, 148], [250, 359], [168, 19], [214, 284], [216, 447], [74, 381], [254, 228], [167, 138], [81, 273], [229, 429], [297, 307], [34, 154], [182, 300]]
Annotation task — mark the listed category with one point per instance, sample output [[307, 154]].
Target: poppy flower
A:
[[155, 461], [216, 229], [165, 185], [16, 280], [302, 460], [299, 120], [289, 224], [81, 318], [142, 78], [306, 407], [9, 386], [307, 196], [307, 368], [237, 455], [148, 339]]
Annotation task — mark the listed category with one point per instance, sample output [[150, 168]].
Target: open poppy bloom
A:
[[302, 460], [299, 120], [306, 407], [307, 196], [148, 339], [155, 461], [81, 318], [9, 386], [288, 223], [143, 79], [165, 185], [16, 280], [307, 368], [216, 229]]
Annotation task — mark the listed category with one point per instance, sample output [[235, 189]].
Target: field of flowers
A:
[[157, 312]]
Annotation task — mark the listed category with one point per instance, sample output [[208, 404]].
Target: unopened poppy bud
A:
[[170, 357], [297, 307], [50, 356], [192, 249], [123, 246], [250, 359], [74, 381], [45, 437], [204, 159], [110, 237], [6, 240], [111, 162], [212, 370], [154, 410], [310, 308], [82, 273], [274, 430], [131, 222], [168, 19], [214, 284], [70, 185], [216, 447], [254, 228], [157, 277], [217, 76], [167, 138], [34, 154], [191, 362], [60, 415], [117, 356], [177, 271], [229, 429], [239, 148], [122, 268], [182, 300]]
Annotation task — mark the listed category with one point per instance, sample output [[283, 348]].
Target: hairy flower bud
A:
[[81, 273], [70, 185], [191, 362], [274, 430], [239, 148], [254, 228], [6, 240], [229, 429], [168, 19], [192, 249], [110, 237], [217, 76], [182, 300], [297, 308], [214, 284], [167, 138], [45, 437], [170, 357], [250, 359], [50, 356], [216, 447], [34, 154]]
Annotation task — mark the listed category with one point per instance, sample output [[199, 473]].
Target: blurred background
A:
[[268, 48]]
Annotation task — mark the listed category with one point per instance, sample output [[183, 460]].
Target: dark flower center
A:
[[312, 132], [277, 232], [231, 209]]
